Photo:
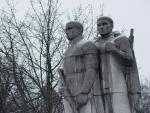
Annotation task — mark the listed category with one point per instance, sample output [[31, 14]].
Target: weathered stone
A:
[[80, 82], [118, 69]]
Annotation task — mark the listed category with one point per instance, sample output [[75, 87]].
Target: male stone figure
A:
[[80, 82], [118, 70]]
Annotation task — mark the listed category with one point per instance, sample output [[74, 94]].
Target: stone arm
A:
[[91, 64], [133, 82], [121, 47], [124, 48], [91, 68]]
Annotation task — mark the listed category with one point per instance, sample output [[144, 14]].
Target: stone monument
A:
[[79, 76], [120, 80]]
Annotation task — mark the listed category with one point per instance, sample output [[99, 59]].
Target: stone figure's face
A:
[[72, 32], [104, 27]]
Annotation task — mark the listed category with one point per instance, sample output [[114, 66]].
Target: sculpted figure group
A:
[[99, 76]]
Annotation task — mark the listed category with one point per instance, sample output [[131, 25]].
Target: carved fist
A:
[[81, 100], [62, 91], [110, 47]]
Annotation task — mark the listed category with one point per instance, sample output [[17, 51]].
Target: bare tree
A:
[[31, 51], [35, 44], [144, 101]]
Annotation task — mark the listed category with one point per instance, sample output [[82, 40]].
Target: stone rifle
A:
[[131, 38], [136, 81], [68, 93]]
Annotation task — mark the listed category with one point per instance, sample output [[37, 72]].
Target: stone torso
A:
[[112, 73], [74, 66]]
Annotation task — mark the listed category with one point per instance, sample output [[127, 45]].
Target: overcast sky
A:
[[125, 13]]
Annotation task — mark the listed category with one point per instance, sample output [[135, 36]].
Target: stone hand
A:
[[110, 47], [81, 100], [62, 91]]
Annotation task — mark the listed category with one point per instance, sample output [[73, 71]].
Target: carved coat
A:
[[119, 74], [79, 59]]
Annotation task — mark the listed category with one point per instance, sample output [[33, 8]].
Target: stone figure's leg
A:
[[67, 108], [134, 103], [108, 103], [120, 103], [98, 102], [88, 108]]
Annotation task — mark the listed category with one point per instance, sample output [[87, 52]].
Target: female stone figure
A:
[[80, 83], [120, 79]]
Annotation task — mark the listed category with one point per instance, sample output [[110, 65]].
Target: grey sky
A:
[[125, 13]]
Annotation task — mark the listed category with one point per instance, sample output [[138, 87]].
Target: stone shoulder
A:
[[122, 40], [89, 47]]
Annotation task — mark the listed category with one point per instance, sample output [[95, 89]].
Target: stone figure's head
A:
[[73, 29], [104, 25]]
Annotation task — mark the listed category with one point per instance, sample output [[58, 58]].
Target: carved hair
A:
[[106, 18], [76, 24]]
